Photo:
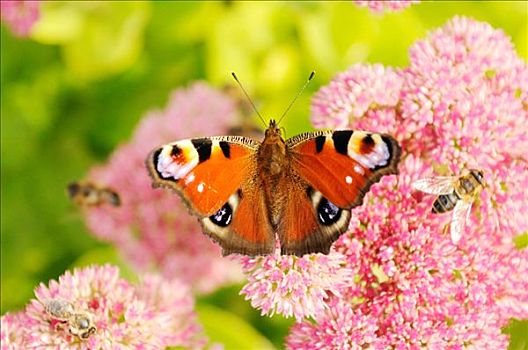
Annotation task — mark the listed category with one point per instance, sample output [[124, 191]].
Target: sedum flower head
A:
[[155, 314], [12, 331], [20, 15], [412, 287], [465, 101], [294, 286], [152, 227], [361, 89], [385, 5], [460, 104]]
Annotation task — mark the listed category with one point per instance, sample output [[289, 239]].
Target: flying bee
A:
[[79, 324], [455, 193], [87, 194]]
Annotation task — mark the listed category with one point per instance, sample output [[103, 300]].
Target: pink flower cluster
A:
[[152, 227], [386, 5], [414, 288], [20, 15], [155, 314], [294, 286], [462, 103]]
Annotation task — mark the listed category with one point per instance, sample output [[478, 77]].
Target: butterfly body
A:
[[248, 194]]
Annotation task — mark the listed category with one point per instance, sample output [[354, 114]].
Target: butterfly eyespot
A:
[[222, 217], [328, 212]]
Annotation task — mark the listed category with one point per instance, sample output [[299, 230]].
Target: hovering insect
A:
[[455, 193], [79, 324], [86, 194]]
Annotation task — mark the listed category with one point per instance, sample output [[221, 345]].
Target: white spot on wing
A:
[[200, 187], [189, 178], [359, 169], [348, 179]]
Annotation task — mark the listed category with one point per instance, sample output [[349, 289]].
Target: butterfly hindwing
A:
[[213, 176], [242, 225], [310, 222]]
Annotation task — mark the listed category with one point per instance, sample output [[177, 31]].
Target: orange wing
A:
[[214, 176], [343, 164], [330, 173], [310, 224]]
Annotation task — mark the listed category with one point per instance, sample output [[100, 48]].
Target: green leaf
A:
[[521, 241], [518, 331], [230, 330]]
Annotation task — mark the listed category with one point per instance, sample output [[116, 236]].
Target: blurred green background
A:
[[78, 85]]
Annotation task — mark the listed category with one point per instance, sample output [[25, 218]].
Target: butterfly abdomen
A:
[[445, 203]]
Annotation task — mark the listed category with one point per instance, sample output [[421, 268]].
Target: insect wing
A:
[[460, 217], [436, 185]]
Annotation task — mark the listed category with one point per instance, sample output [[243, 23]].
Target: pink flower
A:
[[152, 227], [12, 331], [460, 104], [334, 331], [293, 286], [20, 15], [386, 5], [153, 315], [464, 102], [362, 89], [413, 287]]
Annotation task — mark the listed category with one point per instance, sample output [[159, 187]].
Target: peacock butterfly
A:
[[245, 193]]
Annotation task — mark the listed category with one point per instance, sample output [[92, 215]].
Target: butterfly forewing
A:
[[343, 164], [205, 171], [212, 176]]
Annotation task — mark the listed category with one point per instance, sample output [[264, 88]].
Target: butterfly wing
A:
[[214, 177], [331, 171], [436, 185]]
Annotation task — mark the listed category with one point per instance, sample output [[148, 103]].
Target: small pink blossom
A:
[[152, 228], [12, 327], [152, 315], [20, 15], [350, 95], [386, 5], [294, 286]]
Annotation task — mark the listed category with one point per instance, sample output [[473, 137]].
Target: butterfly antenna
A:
[[296, 97], [249, 99]]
